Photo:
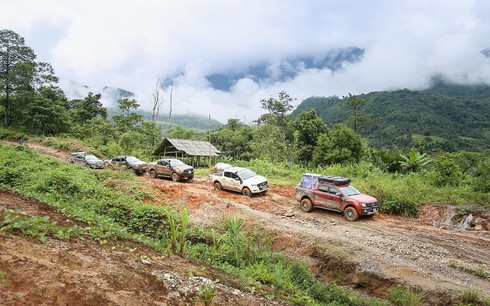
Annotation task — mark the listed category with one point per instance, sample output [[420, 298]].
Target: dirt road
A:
[[371, 254]]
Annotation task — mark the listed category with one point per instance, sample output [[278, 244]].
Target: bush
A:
[[446, 172]]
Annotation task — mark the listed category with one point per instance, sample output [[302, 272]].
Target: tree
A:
[[356, 119], [307, 128], [13, 53], [88, 108], [269, 143], [273, 137], [233, 139], [339, 145], [278, 109], [46, 113], [128, 120]]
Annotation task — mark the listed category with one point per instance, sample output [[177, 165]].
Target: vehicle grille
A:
[[263, 186]]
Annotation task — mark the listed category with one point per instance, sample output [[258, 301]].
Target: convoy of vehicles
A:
[[334, 193], [239, 179], [127, 162], [172, 168], [314, 190]]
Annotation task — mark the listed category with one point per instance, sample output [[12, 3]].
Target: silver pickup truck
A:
[[239, 179]]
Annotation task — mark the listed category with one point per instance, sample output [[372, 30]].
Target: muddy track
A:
[[387, 249]]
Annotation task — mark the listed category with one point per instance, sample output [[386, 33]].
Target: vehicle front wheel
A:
[[306, 205], [246, 192], [217, 186], [153, 174], [175, 177], [350, 214]]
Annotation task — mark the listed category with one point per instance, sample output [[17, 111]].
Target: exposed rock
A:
[[467, 223]]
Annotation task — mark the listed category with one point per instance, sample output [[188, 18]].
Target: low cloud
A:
[[130, 44]]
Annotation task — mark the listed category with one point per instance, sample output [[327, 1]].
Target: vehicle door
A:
[[119, 163], [321, 196], [164, 168], [230, 180], [334, 198], [79, 159]]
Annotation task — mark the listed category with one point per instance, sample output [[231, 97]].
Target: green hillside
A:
[[445, 117], [194, 122]]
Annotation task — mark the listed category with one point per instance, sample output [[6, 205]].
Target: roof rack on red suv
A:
[[336, 180]]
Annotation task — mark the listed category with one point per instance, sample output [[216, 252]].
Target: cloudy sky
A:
[[131, 44]]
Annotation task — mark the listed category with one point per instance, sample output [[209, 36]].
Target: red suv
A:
[[334, 193]]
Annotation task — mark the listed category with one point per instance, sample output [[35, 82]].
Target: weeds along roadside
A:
[[86, 195]]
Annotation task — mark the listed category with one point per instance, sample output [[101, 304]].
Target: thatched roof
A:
[[185, 147]]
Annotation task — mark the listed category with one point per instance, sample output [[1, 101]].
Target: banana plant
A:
[[414, 161]]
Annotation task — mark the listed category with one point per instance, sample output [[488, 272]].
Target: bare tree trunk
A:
[[170, 109], [157, 101]]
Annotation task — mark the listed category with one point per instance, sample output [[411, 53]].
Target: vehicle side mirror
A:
[[237, 179], [339, 194]]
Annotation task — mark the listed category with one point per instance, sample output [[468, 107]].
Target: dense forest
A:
[[446, 117]]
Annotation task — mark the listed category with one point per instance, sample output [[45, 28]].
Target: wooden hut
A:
[[196, 153]]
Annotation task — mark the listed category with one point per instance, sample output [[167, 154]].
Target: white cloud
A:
[[129, 44]]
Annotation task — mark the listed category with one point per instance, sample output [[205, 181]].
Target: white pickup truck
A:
[[239, 179]]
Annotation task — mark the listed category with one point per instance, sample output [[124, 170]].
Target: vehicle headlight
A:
[[363, 204]]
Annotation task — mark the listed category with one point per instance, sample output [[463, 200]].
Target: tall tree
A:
[[307, 127], [128, 120], [278, 109], [13, 53], [356, 118], [340, 145], [233, 139], [88, 108]]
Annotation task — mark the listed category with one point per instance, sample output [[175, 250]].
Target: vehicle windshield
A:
[[176, 162], [91, 157], [132, 159], [246, 174], [349, 191]]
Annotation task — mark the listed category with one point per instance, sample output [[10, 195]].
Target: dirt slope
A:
[[84, 272]]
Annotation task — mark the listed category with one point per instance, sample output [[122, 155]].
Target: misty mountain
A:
[[446, 116], [109, 95], [287, 68]]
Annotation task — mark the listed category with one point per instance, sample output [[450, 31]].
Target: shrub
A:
[[446, 172], [408, 296]]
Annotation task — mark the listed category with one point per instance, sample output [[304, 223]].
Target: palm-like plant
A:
[[414, 161]]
